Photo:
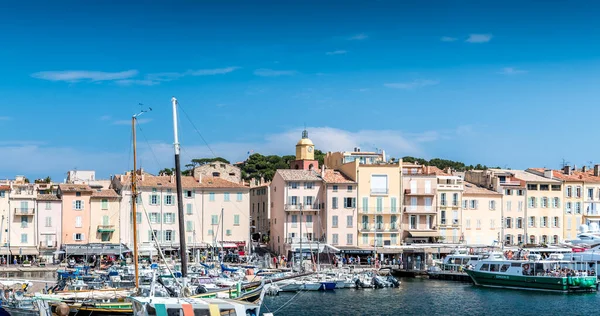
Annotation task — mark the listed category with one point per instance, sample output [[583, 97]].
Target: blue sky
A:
[[509, 83]]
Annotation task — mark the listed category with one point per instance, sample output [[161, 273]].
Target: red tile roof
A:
[[47, 197], [576, 176], [150, 181], [66, 187], [4, 187], [335, 176], [110, 193], [473, 189]]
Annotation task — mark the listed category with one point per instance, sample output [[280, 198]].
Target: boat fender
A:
[[62, 309]]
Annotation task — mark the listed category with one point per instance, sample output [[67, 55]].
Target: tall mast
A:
[[134, 195], [182, 245], [133, 206]]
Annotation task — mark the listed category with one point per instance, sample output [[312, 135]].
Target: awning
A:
[[95, 249], [4, 251], [229, 245], [425, 234], [24, 251], [389, 250]]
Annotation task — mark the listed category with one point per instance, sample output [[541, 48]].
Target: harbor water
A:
[[432, 297]]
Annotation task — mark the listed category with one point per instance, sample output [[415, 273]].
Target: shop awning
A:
[[425, 234], [95, 249], [389, 250], [24, 251], [4, 251]]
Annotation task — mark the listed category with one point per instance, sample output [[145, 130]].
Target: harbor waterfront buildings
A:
[[349, 202]]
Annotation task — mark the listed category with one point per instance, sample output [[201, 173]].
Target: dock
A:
[[450, 276]]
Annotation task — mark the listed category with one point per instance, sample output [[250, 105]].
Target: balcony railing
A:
[[378, 210], [419, 192], [106, 228], [379, 191], [510, 182], [420, 209], [297, 207], [19, 211], [296, 240], [379, 227], [432, 228], [45, 245]]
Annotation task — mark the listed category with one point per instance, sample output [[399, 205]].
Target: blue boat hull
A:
[[327, 286]]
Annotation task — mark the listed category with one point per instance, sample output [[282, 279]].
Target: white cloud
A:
[[512, 71], [337, 52], [127, 78], [105, 117], [264, 72], [38, 159], [79, 75], [128, 122], [359, 37], [479, 38], [411, 85], [448, 39]]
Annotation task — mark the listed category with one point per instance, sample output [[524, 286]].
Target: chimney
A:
[[596, 170], [567, 170], [584, 169], [322, 170], [548, 173]]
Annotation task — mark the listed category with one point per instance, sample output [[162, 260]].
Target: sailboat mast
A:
[[133, 206], [181, 215]]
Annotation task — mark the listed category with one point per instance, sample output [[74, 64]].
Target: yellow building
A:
[[104, 217], [379, 198], [481, 215]]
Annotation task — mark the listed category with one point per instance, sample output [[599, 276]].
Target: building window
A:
[[23, 222], [531, 221], [105, 220], [48, 221], [465, 204], [236, 220], [508, 205], [507, 192], [334, 221], [556, 187], [211, 196], [590, 195], [468, 224], [455, 199], [544, 221], [577, 207], [532, 187], [309, 221], [519, 222], [555, 222], [443, 201], [349, 189], [365, 239], [334, 202], [48, 206], [379, 184], [532, 201], [474, 204], [105, 204], [210, 232], [492, 224], [349, 221], [240, 196], [294, 185], [349, 202], [154, 218], [188, 209], [189, 226], [226, 196], [520, 192], [78, 205], [568, 208], [78, 237], [492, 205], [169, 200], [78, 222], [169, 218], [294, 221], [545, 202], [578, 192], [309, 185], [168, 235], [443, 217], [555, 202], [413, 222], [77, 193], [189, 194], [478, 224], [228, 232], [349, 240], [569, 191], [508, 222], [154, 199], [334, 239], [214, 220], [544, 187], [335, 188]]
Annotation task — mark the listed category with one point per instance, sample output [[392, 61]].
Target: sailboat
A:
[[183, 305]]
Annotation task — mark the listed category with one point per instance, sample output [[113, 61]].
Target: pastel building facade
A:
[[449, 190], [260, 204], [22, 209], [49, 224], [340, 211], [297, 198], [105, 216], [4, 217], [481, 215], [216, 212], [420, 211], [75, 221]]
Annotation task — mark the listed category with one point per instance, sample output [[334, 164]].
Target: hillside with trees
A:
[[257, 165]]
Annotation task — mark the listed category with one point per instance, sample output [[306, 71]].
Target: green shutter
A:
[[149, 199], [365, 204], [394, 205]]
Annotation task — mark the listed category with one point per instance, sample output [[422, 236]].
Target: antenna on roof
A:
[[564, 163]]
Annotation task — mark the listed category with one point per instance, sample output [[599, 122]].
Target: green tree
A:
[[167, 172]]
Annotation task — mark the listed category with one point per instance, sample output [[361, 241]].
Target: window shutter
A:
[[558, 202], [353, 202], [194, 193], [173, 234], [149, 235], [476, 204], [165, 199], [149, 199], [74, 207], [82, 236], [82, 205]]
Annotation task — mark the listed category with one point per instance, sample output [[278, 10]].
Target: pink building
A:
[[297, 197], [420, 204], [75, 213], [49, 224], [340, 209]]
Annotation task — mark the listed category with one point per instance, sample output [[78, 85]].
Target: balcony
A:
[[379, 228], [422, 229], [106, 228], [420, 209], [297, 207], [379, 191], [418, 192], [51, 245], [24, 211], [594, 213], [378, 210]]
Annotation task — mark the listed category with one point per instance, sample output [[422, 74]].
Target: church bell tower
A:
[[305, 154]]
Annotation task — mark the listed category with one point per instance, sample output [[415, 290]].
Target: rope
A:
[[195, 128]]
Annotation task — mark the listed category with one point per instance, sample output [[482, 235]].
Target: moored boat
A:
[[543, 275]]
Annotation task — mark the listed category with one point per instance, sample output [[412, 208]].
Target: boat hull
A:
[[556, 284], [19, 311]]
